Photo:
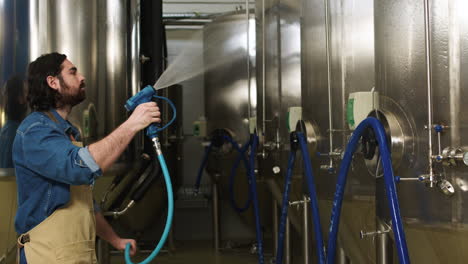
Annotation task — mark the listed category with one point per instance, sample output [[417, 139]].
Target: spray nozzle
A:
[[144, 96]]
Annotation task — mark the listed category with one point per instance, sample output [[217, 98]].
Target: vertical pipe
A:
[[384, 248], [341, 256], [305, 235], [171, 240], [456, 12], [275, 226], [287, 258], [103, 251], [215, 216], [327, 48], [263, 71], [247, 51], [135, 66], [427, 39]]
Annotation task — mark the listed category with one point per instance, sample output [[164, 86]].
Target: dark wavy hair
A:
[[13, 96], [41, 96]]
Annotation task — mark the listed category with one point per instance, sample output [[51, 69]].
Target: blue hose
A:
[[231, 180], [170, 213], [253, 189], [202, 166], [313, 197], [392, 197], [152, 132], [284, 207]]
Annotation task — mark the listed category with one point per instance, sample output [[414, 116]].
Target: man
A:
[[55, 174]]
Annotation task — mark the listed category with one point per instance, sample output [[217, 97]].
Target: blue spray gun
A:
[[144, 96]]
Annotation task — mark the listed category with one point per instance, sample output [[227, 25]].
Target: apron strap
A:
[[23, 239]]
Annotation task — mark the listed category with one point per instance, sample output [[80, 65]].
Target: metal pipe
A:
[[278, 197], [247, 51], [305, 235], [383, 248], [171, 240], [287, 257], [275, 227], [191, 15], [116, 214], [427, 39], [327, 47], [204, 3], [102, 250], [263, 73], [216, 232], [341, 256]]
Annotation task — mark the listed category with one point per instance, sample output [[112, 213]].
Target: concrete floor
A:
[[197, 252]]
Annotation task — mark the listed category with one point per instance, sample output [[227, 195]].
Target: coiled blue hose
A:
[[170, 213], [253, 189], [313, 197], [232, 199], [284, 207], [390, 187], [152, 132]]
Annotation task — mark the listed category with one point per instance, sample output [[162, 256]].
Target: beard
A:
[[67, 97]]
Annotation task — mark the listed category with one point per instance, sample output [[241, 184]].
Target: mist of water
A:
[[190, 62]]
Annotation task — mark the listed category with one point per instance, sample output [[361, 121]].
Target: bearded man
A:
[[55, 173]]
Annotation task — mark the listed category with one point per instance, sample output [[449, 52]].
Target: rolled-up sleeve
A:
[[51, 154], [89, 160]]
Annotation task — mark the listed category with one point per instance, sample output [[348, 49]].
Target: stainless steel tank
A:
[[338, 59], [230, 101], [424, 76], [98, 46], [278, 88], [331, 74]]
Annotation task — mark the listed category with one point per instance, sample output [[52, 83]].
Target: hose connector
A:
[[294, 141], [157, 145], [116, 214]]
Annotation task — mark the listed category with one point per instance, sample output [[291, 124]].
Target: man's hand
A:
[[143, 116], [120, 244], [106, 151]]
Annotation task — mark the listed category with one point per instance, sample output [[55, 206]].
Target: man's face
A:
[[72, 85]]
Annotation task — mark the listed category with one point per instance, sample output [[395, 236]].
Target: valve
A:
[[363, 234]]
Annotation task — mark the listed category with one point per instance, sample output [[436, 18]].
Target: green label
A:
[[350, 112]]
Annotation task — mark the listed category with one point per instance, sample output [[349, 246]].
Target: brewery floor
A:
[[197, 252]]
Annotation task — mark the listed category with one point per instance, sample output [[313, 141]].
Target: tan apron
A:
[[67, 235]]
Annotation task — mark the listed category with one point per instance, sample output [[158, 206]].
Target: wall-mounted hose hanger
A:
[[298, 140], [390, 187]]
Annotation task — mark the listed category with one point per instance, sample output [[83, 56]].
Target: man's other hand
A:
[[120, 244]]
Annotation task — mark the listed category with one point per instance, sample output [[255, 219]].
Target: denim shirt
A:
[[46, 164]]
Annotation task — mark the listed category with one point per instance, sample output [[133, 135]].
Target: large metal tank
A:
[[279, 88], [102, 30], [424, 75], [230, 102], [338, 59]]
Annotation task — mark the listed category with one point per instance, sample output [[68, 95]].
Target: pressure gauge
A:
[[465, 158]]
